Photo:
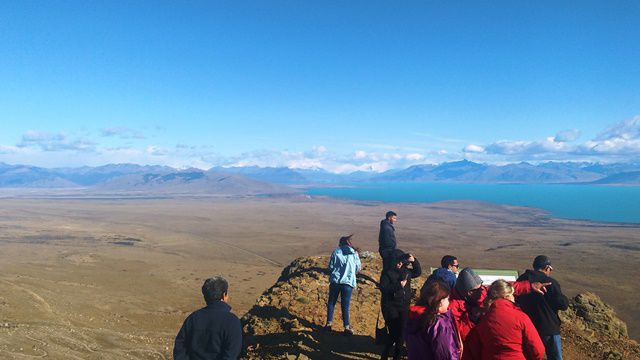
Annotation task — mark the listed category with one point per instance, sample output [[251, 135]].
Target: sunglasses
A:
[[456, 265]]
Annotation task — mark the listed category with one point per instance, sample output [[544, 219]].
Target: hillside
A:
[[626, 178], [286, 321], [190, 182]]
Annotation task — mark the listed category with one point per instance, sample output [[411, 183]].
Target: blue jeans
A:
[[345, 298], [552, 347]]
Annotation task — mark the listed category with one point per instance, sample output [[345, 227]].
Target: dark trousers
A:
[[387, 258], [396, 323], [552, 346], [344, 291]]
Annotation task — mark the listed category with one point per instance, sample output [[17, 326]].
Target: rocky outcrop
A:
[[593, 331], [286, 321]]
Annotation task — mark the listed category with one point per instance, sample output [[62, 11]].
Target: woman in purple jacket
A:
[[431, 333]]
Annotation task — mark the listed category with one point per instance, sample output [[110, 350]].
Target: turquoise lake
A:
[[585, 202]]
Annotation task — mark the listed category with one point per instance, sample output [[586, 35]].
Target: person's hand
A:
[[403, 283], [539, 287]]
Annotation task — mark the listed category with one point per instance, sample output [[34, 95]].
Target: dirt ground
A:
[[114, 279]]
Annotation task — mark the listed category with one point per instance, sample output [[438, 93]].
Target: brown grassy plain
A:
[[114, 279]]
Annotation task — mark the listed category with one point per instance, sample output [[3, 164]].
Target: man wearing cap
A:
[[387, 239], [467, 297], [543, 309]]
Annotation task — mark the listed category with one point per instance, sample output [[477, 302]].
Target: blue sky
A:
[[358, 85]]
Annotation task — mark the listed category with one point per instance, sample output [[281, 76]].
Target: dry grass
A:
[[115, 279]]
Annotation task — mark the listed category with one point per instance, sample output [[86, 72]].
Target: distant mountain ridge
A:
[[463, 171], [160, 177], [131, 179]]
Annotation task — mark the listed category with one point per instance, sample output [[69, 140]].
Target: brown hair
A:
[[346, 240], [430, 297], [500, 289]]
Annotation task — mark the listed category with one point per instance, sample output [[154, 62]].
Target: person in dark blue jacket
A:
[[387, 239], [543, 309], [446, 273], [212, 332]]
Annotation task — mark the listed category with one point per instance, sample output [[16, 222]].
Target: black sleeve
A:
[[390, 284], [417, 270], [233, 346], [179, 347], [557, 300]]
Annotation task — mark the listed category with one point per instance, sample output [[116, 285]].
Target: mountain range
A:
[[463, 171], [274, 180], [130, 179]]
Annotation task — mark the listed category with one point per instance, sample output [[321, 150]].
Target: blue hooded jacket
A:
[[344, 265], [445, 275]]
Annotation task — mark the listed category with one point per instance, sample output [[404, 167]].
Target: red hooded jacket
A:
[[463, 311], [504, 333]]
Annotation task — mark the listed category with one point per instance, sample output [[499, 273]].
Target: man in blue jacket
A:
[[446, 273], [212, 332]]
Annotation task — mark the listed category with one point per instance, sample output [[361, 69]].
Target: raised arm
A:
[[416, 270]]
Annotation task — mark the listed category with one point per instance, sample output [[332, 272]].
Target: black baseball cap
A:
[[540, 262]]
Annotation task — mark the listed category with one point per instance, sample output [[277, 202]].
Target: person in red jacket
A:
[[466, 300], [505, 332]]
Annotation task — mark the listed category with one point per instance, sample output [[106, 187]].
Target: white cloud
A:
[[619, 143], [626, 130], [372, 166], [8, 149], [55, 142], [157, 150], [472, 148], [360, 154], [567, 135], [394, 156], [414, 157], [122, 132]]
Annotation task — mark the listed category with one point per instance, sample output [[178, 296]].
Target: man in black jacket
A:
[[395, 286], [387, 239], [212, 332], [543, 309]]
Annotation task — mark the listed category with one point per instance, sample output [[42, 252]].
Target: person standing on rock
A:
[[395, 286], [343, 266], [387, 239], [212, 332], [543, 309]]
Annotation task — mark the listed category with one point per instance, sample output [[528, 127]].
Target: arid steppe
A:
[[114, 279]]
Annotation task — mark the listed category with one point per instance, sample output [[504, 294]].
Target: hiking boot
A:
[[348, 331]]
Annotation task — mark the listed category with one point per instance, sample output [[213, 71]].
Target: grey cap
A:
[[467, 280]]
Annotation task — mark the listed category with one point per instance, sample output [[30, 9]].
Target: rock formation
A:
[[286, 321]]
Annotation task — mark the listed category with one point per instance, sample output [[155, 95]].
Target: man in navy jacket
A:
[[212, 332], [387, 239], [543, 309]]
